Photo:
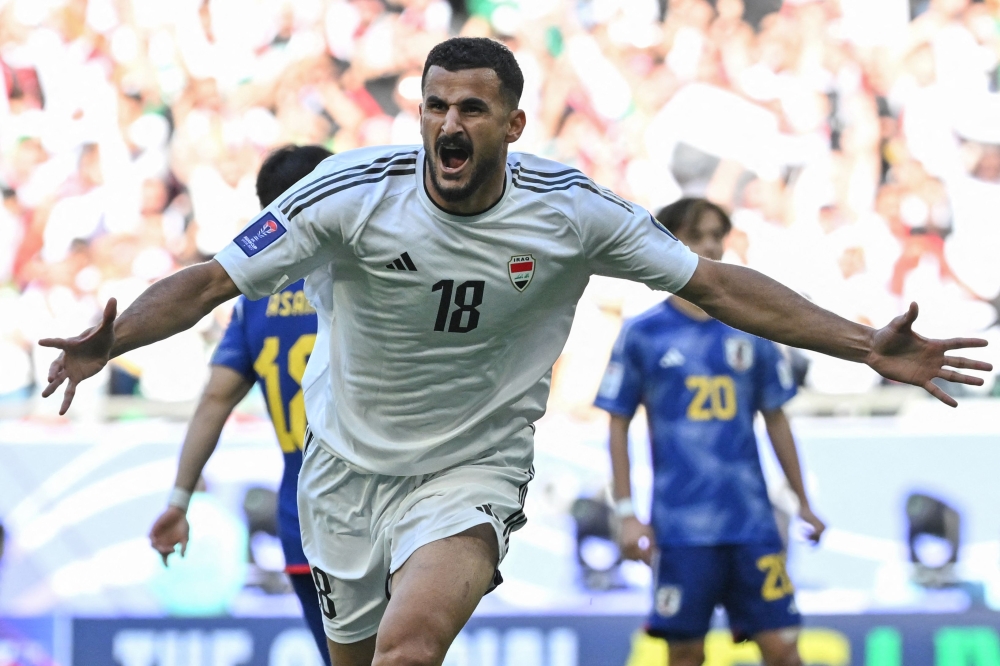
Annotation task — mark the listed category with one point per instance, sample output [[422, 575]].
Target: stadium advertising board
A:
[[31, 641], [968, 639]]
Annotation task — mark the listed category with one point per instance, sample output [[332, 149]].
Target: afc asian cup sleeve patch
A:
[[668, 600], [259, 234], [611, 383]]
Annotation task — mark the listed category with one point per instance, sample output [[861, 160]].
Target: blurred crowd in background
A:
[[856, 144]]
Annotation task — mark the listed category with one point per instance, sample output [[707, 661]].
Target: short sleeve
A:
[[307, 226], [621, 388], [776, 384], [272, 251], [234, 349], [623, 240]]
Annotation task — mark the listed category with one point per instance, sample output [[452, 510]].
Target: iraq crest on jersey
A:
[[520, 269]]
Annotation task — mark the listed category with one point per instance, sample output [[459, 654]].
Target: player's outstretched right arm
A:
[[169, 306], [224, 390]]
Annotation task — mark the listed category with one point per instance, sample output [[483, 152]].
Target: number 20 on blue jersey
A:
[[714, 397]]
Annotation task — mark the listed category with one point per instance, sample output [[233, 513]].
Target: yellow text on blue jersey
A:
[[288, 304], [714, 397], [290, 432]]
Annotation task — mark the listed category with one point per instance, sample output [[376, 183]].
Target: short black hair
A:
[[685, 212], [459, 53], [284, 167]]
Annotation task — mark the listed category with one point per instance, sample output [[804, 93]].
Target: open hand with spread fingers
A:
[[82, 356], [901, 355]]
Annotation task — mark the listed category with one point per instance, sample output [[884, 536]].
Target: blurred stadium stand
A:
[[858, 150]]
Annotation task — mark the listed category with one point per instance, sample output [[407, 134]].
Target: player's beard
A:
[[481, 170]]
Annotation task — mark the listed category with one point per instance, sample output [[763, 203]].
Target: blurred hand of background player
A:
[[82, 356], [901, 355], [636, 540], [811, 519], [170, 529]]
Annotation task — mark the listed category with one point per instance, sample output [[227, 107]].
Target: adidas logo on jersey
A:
[[402, 263], [672, 358], [488, 510]]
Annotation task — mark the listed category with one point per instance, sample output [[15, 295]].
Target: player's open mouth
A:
[[452, 158]]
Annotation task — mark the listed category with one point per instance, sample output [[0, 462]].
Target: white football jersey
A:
[[446, 326]]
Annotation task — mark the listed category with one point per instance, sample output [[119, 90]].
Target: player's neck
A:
[[485, 197], [690, 309]]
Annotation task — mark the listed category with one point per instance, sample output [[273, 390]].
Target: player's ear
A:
[[516, 120]]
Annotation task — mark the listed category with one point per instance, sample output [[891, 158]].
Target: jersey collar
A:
[[436, 210]]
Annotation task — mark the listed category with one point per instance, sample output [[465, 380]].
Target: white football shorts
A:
[[358, 528]]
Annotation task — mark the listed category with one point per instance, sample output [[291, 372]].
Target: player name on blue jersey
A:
[[289, 303], [701, 383]]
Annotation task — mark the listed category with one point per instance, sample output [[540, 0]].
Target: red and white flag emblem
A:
[[520, 269]]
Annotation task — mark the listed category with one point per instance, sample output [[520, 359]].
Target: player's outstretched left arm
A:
[[752, 302]]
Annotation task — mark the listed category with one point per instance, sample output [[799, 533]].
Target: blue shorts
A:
[[290, 535], [748, 580]]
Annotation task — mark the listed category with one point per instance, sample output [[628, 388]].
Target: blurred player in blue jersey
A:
[[268, 341], [713, 538]]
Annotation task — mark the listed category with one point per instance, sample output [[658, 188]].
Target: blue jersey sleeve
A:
[[775, 383], [234, 350], [621, 388]]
